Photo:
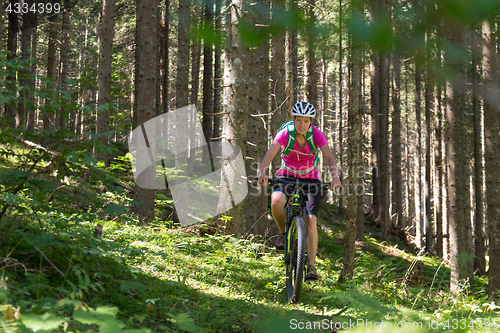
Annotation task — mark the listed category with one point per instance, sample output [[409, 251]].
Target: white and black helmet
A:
[[304, 109]]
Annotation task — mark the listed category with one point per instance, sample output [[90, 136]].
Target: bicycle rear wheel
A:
[[296, 259]]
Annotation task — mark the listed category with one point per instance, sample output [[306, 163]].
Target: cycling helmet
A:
[[304, 109]]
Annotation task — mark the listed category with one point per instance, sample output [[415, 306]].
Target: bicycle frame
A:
[[294, 207]]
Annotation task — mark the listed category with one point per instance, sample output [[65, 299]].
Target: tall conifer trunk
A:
[[105, 60], [354, 152], [458, 173], [479, 239], [146, 80], [236, 96], [492, 155], [12, 30]]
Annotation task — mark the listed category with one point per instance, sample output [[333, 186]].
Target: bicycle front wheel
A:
[[296, 254]]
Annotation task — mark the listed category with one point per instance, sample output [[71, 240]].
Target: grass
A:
[[55, 276]]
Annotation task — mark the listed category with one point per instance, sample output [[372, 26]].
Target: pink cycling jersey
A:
[[297, 161]]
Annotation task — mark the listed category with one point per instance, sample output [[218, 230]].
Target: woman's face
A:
[[302, 124]]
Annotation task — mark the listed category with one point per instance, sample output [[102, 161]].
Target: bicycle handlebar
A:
[[274, 181]]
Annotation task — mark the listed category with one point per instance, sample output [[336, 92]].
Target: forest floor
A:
[[56, 276]]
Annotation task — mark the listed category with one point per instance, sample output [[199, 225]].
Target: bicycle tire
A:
[[295, 266]]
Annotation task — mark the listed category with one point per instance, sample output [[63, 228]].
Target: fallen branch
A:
[[51, 197], [50, 262], [36, 145], [124, 186]]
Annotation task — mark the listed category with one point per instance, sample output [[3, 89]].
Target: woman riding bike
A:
[[299, 162]]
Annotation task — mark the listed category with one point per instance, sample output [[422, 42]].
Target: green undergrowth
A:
[[57, 275]]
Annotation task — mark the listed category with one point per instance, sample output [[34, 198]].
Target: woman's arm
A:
[[332, 164], [274, 148]]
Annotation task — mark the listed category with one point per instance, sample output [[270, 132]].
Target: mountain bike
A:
[[295, 242]]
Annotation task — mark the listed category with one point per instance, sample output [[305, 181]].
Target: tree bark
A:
[[195, 83], [105, 61], [27, 81], [218, 80], [256, 204], [439, 174], [492, 155], [311, 68], [280, 78], [353, 146], [12, 30], [341, 105], [236, 96], [458, 174], [166, 56], [49, 112], [146, 90], [208, 100], [182, 92], [479, 239], [375, 119], [31, 112], [419, 226], [429, 230], [396, 144], [384, 139], [62, 113]]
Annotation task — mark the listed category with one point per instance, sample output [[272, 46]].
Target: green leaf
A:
[[186, 323], [104, 316], [45, 322]]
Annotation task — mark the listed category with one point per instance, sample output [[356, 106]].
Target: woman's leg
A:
[[278, 201], [311, 238]]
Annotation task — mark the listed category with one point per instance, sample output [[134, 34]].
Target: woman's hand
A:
[[335, 184], [262, 178]]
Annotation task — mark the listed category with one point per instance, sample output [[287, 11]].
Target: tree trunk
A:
[[49, 114], [440, 174], [165, 56], [208, 101], [280, 78], [384, 140], [217, 80], [105, 60], [236, 96], [458, 173], [341, 106], [492, 155], [311, 69], [62, 113], [32, 81], [479, 239], [429, 232], [182, 91], [396, 144], [12, 30], [27, 81], [158, 109], [146, 91], [256, 204], [375, 119], [419, 226], [195, 83], [353, 146]]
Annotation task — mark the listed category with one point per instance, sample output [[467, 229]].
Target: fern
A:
[[8, 326]]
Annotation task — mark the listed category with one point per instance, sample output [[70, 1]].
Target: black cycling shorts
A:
[[312, 192]]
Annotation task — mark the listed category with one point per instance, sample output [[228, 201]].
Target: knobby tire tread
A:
[[299, 268]]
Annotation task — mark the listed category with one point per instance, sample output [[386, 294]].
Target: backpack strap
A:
[[291, 141], [291, 138]]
